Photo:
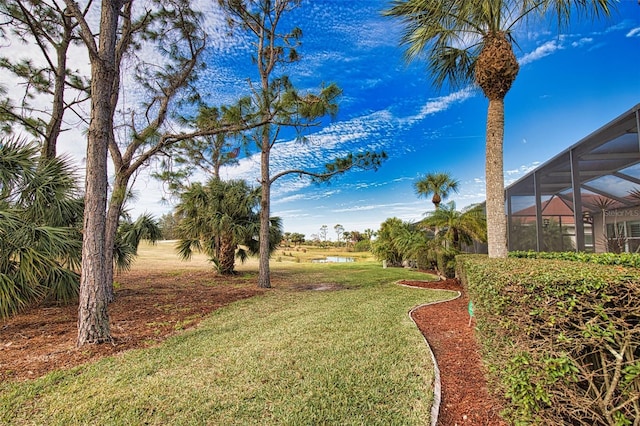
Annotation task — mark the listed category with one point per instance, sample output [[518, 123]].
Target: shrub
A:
[[446, 262], [623, 259], [362, 246], [40, 228], [563, 342]]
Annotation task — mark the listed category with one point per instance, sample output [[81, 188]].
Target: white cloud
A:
[[337, 139], [442, 103], [635, 32], [385, 207], [289, 199], [545, 49], [513, 175], [292, 214], [355, 209], [582, 42], [522, 170]]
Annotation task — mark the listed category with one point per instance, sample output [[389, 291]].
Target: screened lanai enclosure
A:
[[587, 198]]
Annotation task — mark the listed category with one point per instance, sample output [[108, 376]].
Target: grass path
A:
[[347, 357]]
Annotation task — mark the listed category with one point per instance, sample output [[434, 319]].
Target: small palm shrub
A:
[[40, 228]]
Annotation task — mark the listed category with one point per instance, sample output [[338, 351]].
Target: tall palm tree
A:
[[458, 227], [218, 218], [467, 42], [438, 185], [40, 227]]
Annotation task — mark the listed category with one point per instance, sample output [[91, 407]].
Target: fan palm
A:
[[467, 42], [129, 236], [218, 218], [438, 185], [415, 245], [40, 220], [398, 242]]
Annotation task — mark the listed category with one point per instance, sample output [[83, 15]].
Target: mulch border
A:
[[437, 383], [469, 408]]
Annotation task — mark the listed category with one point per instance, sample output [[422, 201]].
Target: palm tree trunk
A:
[[227, 254], [496, 220]]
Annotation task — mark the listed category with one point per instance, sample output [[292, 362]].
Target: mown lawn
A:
[[291, 356]]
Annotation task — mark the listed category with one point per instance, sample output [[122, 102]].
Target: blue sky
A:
[[570, 84]]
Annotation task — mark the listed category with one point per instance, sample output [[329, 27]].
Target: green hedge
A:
[[623, 259], [562, 340]]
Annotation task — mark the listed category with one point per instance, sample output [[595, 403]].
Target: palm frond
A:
[[123, 255], [40, 220], [185, 247], [12, 300]]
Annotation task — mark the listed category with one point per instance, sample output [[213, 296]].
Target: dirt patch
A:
[[318, 287], [149, 308], [465, 398]]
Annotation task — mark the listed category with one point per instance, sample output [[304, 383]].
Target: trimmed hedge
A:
[[631, 260], [562, 340]]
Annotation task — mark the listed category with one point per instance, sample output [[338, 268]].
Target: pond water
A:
[[334, 259]]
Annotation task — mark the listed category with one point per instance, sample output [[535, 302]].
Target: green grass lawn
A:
[[348, 356]]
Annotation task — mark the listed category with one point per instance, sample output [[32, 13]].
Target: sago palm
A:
[[466, 42]]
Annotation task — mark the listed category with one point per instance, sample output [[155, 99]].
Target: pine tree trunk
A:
[[57, 106], [496, 219], [59, 86], [264, 276], [93, 318], [113, 219]]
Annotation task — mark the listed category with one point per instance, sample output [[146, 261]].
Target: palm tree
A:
[[467, 42], [415, 245], [458, 227], [369, 234], [218, 218], [438, 185], [384, 247], [129, 236], [40, 228]]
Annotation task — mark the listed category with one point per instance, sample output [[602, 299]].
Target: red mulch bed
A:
[[151, 306], [445, 325]]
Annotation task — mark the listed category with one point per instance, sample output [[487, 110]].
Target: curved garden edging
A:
[[437, 384]]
